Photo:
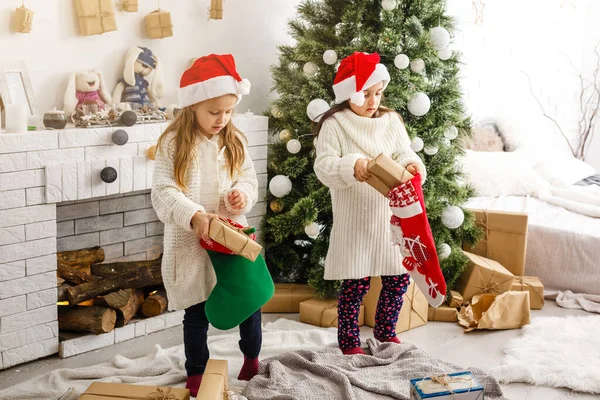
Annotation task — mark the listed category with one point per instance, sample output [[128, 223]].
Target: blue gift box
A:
[[458, 386]]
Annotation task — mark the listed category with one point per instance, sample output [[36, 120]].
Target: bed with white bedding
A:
[[563, 247]]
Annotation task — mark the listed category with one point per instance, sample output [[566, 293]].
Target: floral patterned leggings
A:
[[386, 315]]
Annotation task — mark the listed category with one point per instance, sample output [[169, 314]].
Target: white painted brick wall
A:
[[122, 234], [155, 324], [36, 195], [141, 245], [96, 224], [27, 215], [41, 299], [28, 284], [65, 228], [40, 230], [155, 228], [28, 319], [30, 352], [13, 162], [140, 216], [12, 234], [78, 242], [12, 199], [14, 305], [122, 204], [30, 335], [140, 328], [124, 333], [35, 248], [30, 141], [74, 211], [113, 251], [84, 344], [174, 318], [12, 270], [39, 265]]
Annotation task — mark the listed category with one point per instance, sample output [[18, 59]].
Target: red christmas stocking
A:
[[410, 230]]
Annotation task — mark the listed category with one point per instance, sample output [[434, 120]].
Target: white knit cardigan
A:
[[187, 271], [360, 244]]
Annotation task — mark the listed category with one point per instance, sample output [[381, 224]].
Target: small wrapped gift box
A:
[[443, 313], [456, 299], [414, 310], [128, 5], [95, 16], [287, 298], [534, 286], [230, 237], [158, 24], [324, 313], [504, 239], [214, 384], [114, 391], [386, 174], [483, 275], [23, 20], [456, 386], [509, 310]]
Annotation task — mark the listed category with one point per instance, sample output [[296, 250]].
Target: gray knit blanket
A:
[[328, 374]]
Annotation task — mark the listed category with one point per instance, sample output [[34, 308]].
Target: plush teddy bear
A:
[[133, 87], [85, 87]]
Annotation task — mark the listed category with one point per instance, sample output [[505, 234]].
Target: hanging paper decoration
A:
[[216, 9], [158, 24], [23, 19], [95, 16], [128, 5]]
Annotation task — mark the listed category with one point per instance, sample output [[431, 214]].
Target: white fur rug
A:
[[165, 367], [557, 352]]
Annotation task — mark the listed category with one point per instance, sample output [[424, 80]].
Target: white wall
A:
[[535, 36], [250, 30]]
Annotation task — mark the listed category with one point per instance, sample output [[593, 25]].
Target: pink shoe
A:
[[193, 384], [249, 369], [354, 350], [390, 340]]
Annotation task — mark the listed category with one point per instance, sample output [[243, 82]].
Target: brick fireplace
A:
[[52, 199]]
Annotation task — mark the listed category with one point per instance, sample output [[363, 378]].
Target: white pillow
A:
[[494, 174], [563, 170]]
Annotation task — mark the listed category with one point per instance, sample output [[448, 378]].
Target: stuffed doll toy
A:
[[243, 286], [86, 87], [133, 87]]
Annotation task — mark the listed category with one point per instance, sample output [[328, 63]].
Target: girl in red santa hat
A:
[[355, 130], [202, 171]]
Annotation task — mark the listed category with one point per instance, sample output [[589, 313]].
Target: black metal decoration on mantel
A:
[[108, 174]]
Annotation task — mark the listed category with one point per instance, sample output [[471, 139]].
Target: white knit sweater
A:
[[187, 272], [360, 244]]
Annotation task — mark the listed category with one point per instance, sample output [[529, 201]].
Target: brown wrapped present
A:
[[508, 310], [216, 9], [414, 310], [505, 238], [158, 24], [214, 384], [443, 313], [386, 174], [113, 391], [287, 298], [456, 299], [233, 238], [483, 275], [324, 313], [128, 5], [95, 16], [23, 20], [534, 286]]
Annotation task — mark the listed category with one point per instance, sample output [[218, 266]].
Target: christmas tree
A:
[[412, 37]]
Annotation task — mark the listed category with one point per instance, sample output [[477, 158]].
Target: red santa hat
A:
[[356, 73], [209, 77]]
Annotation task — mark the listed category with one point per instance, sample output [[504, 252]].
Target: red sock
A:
[[193, 384], [421, 259], [390, 340], [352, 351], [249, 369]]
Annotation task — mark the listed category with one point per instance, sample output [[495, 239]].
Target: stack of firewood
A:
[[95, 297]]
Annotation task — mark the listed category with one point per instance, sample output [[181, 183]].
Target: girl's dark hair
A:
[[346, 105]]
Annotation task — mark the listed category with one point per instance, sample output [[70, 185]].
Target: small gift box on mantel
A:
[[111, 391], [95, 16], [158, 24], [128, 5], [23, 19], [456, 386]]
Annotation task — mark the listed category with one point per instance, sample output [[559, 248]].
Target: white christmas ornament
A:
[[330, 57], [293, 146], [285, 134], [452, 217], [431, 150], [445, 54], [276, 112], [401, 61], [417, 66], [440, 37], [312, 230], [316, 108], [444, 251], [310, 68], [419, 104], [388, 5], [280, 186], [417, 144], [451, 133]]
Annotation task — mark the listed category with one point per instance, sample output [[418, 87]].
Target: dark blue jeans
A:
[[195, 328]]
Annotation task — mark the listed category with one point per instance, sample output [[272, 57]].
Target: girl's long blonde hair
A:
[[187, 132]]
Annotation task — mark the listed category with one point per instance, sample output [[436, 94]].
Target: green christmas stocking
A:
[[243, 287]]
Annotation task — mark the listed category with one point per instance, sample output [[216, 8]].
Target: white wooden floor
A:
[[442, 340]]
